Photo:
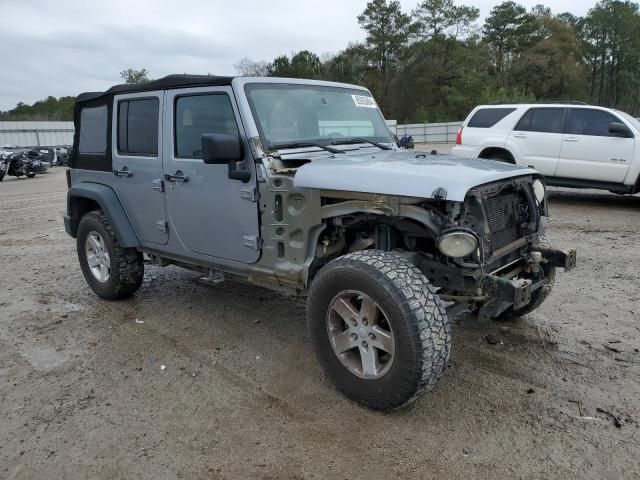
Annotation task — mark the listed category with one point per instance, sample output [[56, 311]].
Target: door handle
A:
[[125, 172], [571, 139], [176, 177], [519, 135]]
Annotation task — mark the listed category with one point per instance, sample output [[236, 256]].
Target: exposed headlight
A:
[[538, 190], [457, 243]]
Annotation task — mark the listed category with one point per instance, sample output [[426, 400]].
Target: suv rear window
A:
[[138, 126], [546, 120], [93, 130], [488, 117]]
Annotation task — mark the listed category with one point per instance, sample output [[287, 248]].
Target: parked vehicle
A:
[[18, 164], [571, 144], [62, 155], [406, 141], [247, 183]]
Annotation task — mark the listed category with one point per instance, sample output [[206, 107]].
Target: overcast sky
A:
[[64, 47]]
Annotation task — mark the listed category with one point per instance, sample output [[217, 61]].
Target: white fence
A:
[[31, 134], [430, 132], [34, 134]]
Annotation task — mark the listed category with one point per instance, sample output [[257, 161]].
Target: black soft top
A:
[[164, 83]]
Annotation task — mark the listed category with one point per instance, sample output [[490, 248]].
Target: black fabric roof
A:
[[170, 81]]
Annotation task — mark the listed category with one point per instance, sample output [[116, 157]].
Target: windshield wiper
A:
[[305, 144], [351, 141]]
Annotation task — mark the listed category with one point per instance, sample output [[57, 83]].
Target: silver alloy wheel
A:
[[97, 256], [360, 334]]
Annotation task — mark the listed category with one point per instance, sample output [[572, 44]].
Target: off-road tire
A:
[[127, 267], [414, 311], [538, 297]]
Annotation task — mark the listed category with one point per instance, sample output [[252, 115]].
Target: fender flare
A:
[[109, 203]]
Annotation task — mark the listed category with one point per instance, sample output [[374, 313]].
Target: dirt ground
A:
[[191, 380]]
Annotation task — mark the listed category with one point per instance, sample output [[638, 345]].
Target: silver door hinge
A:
[[158, 184], [252, 241], [162, 226], [248, 193]]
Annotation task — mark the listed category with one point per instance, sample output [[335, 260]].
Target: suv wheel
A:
[[378, 328], [112, 272]]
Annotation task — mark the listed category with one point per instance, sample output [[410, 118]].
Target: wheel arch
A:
[[488, 152], [87, 197]]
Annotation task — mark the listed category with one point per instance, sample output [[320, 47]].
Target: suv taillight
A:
[[68, 174], [459, 136]]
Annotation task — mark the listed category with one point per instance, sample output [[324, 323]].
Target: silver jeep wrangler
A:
[[298, 186]]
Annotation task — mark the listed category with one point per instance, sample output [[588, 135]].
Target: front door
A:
[[137, 163], [210, 213], [589, 152]]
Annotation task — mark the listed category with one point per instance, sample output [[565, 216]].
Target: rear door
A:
[[588, 150], [537, 138], [210, 213], [137, 163]]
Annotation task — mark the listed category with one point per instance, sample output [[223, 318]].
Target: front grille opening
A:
[[506, 212]]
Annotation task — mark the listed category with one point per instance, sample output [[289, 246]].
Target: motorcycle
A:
[[406, 142], [17, 164]]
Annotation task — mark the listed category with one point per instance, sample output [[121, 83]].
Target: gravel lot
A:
[[83, 392]]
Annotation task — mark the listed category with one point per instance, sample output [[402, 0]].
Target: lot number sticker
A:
[[364, 101]]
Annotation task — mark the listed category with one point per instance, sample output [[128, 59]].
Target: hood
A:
[[407, 174]]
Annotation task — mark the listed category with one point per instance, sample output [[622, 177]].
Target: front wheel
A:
[[112, 272], [378, 328]]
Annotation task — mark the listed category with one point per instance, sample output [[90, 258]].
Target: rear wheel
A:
[[378, 328], [112, 272]]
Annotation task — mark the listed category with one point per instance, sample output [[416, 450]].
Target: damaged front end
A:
[[510, 259]]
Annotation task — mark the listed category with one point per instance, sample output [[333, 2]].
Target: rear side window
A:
[[138, 126], [546, 120], [196, 115], [584, 121], [93, 130], [488, 117]]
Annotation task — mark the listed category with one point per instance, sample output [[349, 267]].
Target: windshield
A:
[[288, 114]]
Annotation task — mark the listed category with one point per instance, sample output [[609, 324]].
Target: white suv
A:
[[571, 144]]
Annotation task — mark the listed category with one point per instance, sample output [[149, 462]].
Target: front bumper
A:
[[500, 293]]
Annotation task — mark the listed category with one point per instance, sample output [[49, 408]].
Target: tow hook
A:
[[563, 259]]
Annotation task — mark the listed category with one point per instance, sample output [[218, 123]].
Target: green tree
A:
[[51, 108], [349, 66], [388, 31], [280, 67], [132, 75], [305, 64], [507, 31], [438, 19], [552, 69]]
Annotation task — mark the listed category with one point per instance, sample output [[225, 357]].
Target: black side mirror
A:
[[617, 129], [219, 148]]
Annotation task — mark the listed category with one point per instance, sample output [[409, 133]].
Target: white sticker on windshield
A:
[[364, 101]]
